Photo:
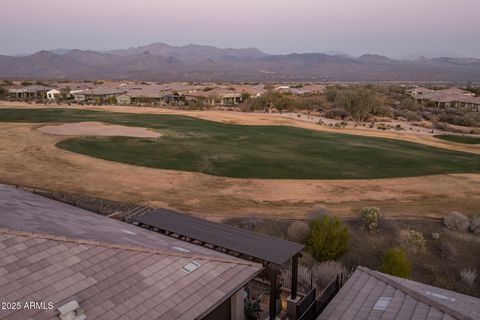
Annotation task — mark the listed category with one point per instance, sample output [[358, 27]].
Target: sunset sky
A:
[[396, 28]]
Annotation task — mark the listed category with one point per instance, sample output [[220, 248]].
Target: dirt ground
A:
[[29, 157], [98, 129]]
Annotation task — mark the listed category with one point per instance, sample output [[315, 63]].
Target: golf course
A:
[[249, 151], [459, 139]]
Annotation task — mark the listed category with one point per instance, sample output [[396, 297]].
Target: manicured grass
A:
[[272, 152], [459, 139]]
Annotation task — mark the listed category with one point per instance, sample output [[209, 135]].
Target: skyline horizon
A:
[[407, 56], [389, 28]]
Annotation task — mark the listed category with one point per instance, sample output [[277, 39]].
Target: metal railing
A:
[[306, 306], [312, 304], [137, 212]]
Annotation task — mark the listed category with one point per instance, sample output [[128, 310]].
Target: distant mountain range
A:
[[163, 62]]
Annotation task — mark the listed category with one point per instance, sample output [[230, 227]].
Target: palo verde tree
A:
[[358, 102], [271, 100], [328, 238]]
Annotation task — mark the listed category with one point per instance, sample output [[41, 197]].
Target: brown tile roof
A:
[[112, 281], [404, 299]]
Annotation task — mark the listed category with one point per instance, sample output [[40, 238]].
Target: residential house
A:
[[53, 94], [307, 89], [124, 99], [92, 267], [314, 89], [418, 90], [97, 94], [217, 96], [452, 98], [369, 294], [30, 92], [146, 95]]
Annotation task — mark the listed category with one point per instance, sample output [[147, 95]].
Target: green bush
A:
[[396, 263], [412, 241], [328, 238], [371, 219]]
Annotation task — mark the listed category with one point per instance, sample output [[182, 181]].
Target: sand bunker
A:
[[98, 129]]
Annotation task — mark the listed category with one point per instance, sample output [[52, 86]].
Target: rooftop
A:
[[115, 270], [102, 91], [446, 95], [370, 294], [112, 281], [31, 89], [256, 245], [25, 211]]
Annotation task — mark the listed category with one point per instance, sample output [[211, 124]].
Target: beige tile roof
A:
[[112, 281], [447, 95], [20, 210], [409, 300], [50, 251]]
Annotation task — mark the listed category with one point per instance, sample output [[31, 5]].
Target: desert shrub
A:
[[475, 225], [395, 262], [412, 116], [448, 251], [335, 113], [327, 270], [410, 104], [307, 259], [328, 238], [381, 126], [371, 219], [412, 241], [323, 270], [427, 115], [298, 231], [384, 111], [459, 118], [468, 276], [456, 221]]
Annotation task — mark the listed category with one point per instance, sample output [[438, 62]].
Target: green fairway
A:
[[459, 139], [272, 152]]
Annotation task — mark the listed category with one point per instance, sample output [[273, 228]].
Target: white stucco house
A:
[[53, 94]]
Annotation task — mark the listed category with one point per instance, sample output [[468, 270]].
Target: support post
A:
[[273, 292], [293, 299], [293, 292]]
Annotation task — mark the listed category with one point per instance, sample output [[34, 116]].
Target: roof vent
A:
[[181, 249], [128, 232], [71, 311], [192, 266], [382, 303], [440, 296]]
